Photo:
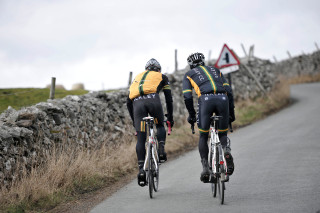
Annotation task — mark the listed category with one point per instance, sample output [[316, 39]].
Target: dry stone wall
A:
[[27, 135]]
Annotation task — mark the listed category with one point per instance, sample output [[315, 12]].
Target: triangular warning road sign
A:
[[227, 58]]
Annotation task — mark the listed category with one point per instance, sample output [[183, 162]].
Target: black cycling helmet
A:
[[195, 59], [153, 65]]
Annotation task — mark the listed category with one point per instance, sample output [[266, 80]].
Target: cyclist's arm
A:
[[230, 96], [187, 94], [168, 96], [130, 108]]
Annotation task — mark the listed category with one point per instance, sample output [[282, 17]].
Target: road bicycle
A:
[[217, 161], [152, 162]]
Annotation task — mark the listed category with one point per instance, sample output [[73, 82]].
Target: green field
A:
[[23, 97]]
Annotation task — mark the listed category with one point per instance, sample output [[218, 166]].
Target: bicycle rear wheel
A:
[[216, 186], [150, 175], [221, 185], [222, 192], [213, 185], [155, 177]]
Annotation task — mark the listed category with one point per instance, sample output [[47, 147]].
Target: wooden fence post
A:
[[175, 60], [251, 52], [244, 50], [130, 79], [316, 46], [275, 59], [53, 88]]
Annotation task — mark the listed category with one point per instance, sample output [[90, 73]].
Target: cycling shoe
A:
[[205, 174], [142, 178], [230, 164], [162, 154]]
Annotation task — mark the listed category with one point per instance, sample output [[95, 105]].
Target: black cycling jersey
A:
[[205, 80]]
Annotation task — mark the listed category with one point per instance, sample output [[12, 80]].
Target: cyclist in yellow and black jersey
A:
[[144, 99], [214, 96]]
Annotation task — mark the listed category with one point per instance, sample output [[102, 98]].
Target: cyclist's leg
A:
[[161, 136], [155, 110], [139, 111], [205, 108], [140, 148], [223, 110]]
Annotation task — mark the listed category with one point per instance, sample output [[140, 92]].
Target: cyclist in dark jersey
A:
[[214, 96], [144, 99]]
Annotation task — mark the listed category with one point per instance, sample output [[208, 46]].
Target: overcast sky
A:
[[98, 42]]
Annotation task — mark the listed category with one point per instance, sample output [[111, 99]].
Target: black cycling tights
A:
[[142, 136], [203, 143]]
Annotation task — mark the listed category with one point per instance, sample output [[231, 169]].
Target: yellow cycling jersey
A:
[[148, 82]]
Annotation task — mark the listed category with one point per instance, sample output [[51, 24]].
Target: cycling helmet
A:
[[153, 65], [195, 59]]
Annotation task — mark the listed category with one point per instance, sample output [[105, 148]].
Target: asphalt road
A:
[[277, 169]]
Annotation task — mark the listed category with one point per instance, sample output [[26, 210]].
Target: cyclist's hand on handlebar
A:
[[171, 123], [231, 118], [192, 119], [170, 119]]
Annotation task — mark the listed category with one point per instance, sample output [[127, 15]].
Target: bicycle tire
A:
[[155, 176], [219, 187], [221, 183], [222, 192], [150, 176], [217, 183], [213, 187]]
